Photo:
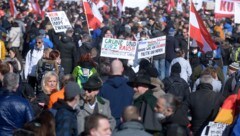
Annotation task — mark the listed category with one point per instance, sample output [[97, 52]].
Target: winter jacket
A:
[[80, 78], [67, 49], [186, 69], [176, 86], [102, 106], [131, 128], [145, 104], [171, 44], [15, 35], [203, 105], [115, 89], [2, 50], [15, 111], [55, 96], [32, 59], [65, 119], [176, 124]]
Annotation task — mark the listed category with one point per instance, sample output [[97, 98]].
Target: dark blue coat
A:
[[119, 94], [66, 119], [15, 111]]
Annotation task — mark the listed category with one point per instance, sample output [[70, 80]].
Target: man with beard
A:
[[92, 103]]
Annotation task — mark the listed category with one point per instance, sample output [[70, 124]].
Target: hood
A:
[[177, 118], [132, 125], [62, 104], [66, 39], [116, 81]]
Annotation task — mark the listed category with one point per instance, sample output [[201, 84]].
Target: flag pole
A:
[[189, 29], [86, 16]]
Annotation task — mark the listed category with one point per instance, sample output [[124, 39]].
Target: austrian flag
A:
[[93, 15], [199, 32]]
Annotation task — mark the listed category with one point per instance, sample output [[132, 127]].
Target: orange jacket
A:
[[55, 96]]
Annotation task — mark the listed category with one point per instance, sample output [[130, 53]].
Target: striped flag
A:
[[35, 6], [199, 32], [93, 15], [13, 9]]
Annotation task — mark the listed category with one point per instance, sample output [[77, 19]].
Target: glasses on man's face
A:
[[39, 42]]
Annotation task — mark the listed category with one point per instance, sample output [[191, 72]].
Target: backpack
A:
[[176, 87], [44, 68]]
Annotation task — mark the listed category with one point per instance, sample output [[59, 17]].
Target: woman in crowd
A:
[[55, 56], [50, 84], [16, 60]]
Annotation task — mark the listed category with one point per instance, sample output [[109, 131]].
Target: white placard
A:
[[237, 13], [59, 21], [151, 47], [118, 48]]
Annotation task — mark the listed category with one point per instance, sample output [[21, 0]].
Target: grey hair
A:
[[11, 81], [170, 101], [207, 79], [39, 37]]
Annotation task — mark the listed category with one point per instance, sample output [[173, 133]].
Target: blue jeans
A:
[[160, 66], [167, 66], [225, 70]]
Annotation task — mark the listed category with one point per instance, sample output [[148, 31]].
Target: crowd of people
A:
[[57, 84]]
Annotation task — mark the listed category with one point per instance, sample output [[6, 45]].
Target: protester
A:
[[146, 102], [173, 119], [15, 111], [115, 89], [91, 103], [131, 124], [97, 125], [66, 120]]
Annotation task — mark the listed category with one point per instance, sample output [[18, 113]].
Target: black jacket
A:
[[171, 44], [131, 128], [66, 120], [176, 124], [203, 105], [67, 49]]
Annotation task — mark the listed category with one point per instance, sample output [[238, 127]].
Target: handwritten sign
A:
[[118, 48], [237, 13], [214, 129], [151, 47], [59, 21]]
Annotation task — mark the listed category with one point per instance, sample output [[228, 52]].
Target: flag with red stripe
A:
[[13, 9], [93, 15], [199, 32], [35, 6]]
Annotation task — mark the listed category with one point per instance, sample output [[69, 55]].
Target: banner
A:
[[224, 8], [118, 48], [237, 13], [59, 21], [151, 47], [141, 4]]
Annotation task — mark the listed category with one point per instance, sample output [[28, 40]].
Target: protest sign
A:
[[151, 47], [237, 13], [118, 48], [214, 129], [59, 21], [224, 8]]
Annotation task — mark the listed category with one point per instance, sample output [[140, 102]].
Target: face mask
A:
[[160, 116], [194, 51]]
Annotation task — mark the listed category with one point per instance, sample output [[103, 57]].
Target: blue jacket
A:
[[15, 111], [120, 95], [66, 119], [46, 42]]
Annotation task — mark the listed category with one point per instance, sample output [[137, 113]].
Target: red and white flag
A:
[[199, 32], [171, 5], [35, 6], [93, 15], [101, 4], [13, 9], [47, 7]]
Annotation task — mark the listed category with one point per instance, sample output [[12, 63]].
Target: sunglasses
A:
[[39, 42]]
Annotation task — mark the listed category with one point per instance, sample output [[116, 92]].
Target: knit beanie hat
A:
[[176, 68]]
